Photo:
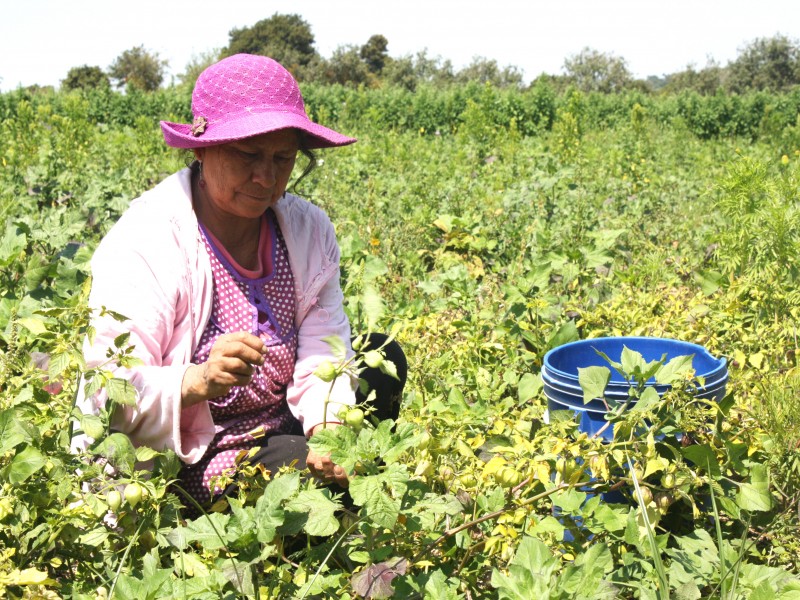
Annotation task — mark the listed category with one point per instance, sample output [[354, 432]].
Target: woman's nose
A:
[[264, 173]]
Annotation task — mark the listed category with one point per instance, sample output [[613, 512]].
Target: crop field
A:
[[481, 228]]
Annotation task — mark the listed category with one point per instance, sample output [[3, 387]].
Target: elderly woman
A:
[[230, 286]]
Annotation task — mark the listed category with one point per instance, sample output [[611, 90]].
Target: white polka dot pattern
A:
[[264, 307]]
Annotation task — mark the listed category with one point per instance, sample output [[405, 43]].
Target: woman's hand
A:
[[321, 465], [232, 361]]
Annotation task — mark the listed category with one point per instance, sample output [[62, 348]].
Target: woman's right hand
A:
[[232, 361]]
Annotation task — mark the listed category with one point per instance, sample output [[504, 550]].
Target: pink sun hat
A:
[[242, 96]]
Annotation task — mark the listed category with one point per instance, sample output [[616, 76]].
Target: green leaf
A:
[[374, 267], [319, 507], [206, 530], [611, 517], [336, 345], [119, 451], [143, 454], [704, 457], [373, 306], [122, 340], [529, 386], [24, 464], [567, 333], [121, 391], [58, 364], [92, 426], [632, 361], [647, 401], [550, 525], [94, 537], [12, 243], [755, 496], [676, 370], [456, 402], [439, 587], [709, 281], [12, 434], [569, 500], [529, 572], [593, 381], [34, 325], [35, 271], [269, 514], [380, 495]]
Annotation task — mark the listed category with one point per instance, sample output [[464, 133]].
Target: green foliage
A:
[[345, 67], [484, 235], [85, 77], [766, 64], [197, 65], [138, 68], [285, 37], [375, 53], [761, 243], [594, 71]]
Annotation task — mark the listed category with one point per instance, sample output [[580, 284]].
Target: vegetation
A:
[[138, 68], [85, 77], [481, 226], [286, 38]]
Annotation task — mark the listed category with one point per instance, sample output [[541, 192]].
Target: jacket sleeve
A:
[[141, 274], [307, 393]]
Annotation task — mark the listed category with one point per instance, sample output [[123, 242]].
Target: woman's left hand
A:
[[321, 465]]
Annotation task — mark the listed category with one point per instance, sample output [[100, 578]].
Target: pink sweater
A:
[[153, 268]]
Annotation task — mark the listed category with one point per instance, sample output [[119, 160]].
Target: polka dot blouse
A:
[[265, 306]]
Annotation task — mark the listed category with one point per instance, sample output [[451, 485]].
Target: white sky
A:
[[40, 40]]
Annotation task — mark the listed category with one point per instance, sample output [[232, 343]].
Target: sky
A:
[[40, 40]]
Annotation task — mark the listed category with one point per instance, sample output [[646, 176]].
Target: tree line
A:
[[771, 64]]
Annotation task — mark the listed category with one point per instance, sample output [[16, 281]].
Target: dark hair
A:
[[302, 137]]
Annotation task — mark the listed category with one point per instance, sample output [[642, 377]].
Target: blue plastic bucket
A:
[[563, 392], [572, 394], [562, 363]]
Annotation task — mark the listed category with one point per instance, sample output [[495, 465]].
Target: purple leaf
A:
[[376, 580]]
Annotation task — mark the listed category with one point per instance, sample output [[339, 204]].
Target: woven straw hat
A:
[[242, 96]]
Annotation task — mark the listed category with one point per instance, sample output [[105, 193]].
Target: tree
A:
[[706, 81], [484, 70], [138, 68], [85, 77], [766, 64], [286, 38], [593, 71], [196, 65], [374, 53], [345, 67], [409, 71]]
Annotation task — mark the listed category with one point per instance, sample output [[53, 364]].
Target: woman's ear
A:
[[198, 153]]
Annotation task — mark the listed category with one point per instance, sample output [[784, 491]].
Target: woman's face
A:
[[245, 178]]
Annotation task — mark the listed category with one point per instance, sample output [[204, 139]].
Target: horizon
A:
[[538, 41]]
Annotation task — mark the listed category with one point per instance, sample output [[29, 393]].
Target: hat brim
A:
[[179, 135]]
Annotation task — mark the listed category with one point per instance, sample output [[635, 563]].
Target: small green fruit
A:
[[133, 494], [354, 418], [114, 500], [373, 359], [326, 371]]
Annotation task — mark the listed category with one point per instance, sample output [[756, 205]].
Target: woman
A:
[[230, 286]]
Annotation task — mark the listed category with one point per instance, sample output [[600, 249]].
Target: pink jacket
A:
[[152, 268]]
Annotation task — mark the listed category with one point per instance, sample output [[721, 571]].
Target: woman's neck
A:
[[238, 235]]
